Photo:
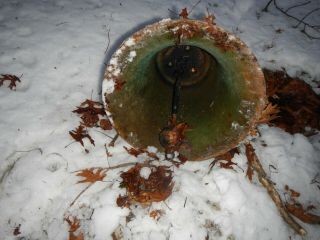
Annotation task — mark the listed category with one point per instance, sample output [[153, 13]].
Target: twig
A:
[[58, 24], [298, 5], [167, 205], [272, 191], [314, 180], [185, 201], [85, 189], [194, 6], [175, 13], [34, 149], [111, 144], [108, 36], [69, 144], [104, 134], [300, 21], [305, 16], [265, 9]]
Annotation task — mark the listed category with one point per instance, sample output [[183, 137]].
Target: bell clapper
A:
[[171, 137]]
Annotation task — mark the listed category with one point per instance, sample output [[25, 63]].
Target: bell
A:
[[184, 71]]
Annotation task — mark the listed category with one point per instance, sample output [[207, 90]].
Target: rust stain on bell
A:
[[211, 81]]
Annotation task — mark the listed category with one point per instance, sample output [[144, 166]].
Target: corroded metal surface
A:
[[228, 108]]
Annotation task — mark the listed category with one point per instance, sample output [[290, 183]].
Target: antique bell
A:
[[184, 71]]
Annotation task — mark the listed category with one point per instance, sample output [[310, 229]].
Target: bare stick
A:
[[108, 36], [194, 6], [298, 5], [305, 16], [265, 9], [272, 191], [111, 144], [291, 16], [69, 144], [85, 189], [34, 149], [104, 134], [175, 13]]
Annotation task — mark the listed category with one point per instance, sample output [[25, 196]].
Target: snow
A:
[[59, 49], [145, 172]]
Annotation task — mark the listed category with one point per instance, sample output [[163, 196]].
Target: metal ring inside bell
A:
[[197, 64]]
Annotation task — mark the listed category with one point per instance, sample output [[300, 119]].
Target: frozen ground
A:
[[59, 49]]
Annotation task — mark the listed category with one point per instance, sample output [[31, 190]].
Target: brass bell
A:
[[189, 69]]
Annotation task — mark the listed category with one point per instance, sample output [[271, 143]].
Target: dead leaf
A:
[[228, 156], [172, 137], [298, 211], [90, 111], [182, 159], [11, 78], [74, 225], [227, 165], [184, 13], [137, 151], [80, 133], [133, 151], [299, 105], [16, 230], [105, 124], [156, 214], [92, 175], [210, 19], [123, 201], [250, 156], [156, 188], [269, 113]]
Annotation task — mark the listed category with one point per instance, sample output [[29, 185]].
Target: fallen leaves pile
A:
[[299, 105], [296, 209], [92, 114], [154, 188]]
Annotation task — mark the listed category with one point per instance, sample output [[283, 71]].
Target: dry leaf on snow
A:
[[80, 133], [11, 78], [92, 175]]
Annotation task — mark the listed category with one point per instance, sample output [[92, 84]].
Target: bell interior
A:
[[218, 107]]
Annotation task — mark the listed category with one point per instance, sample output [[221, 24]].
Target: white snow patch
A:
[[130, 42], [132, 55], [145, 172]]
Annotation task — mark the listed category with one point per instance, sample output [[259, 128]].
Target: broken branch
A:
[[262, 176]]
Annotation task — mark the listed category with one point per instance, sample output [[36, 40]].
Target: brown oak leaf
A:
[[74, 225], [92, 175], [184, 13], [298, 211], [12, 78], [156, 188], [90, 111], [80, 133], [137, 151], [228, 156]]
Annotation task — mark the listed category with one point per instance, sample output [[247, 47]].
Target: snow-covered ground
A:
[[59, 49]]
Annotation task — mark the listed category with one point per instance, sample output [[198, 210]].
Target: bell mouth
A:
[[193, 66], [222, 104]]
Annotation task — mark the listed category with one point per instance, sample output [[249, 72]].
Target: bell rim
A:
[[111, 72]]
